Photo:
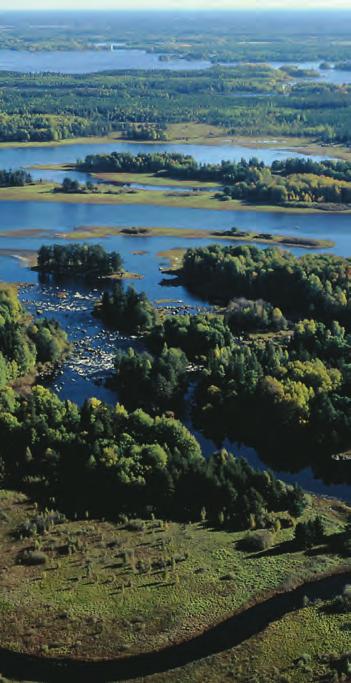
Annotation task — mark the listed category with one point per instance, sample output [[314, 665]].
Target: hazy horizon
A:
[[172, 5]]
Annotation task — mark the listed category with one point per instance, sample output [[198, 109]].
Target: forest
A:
[[125, 309], [104, 459], [109, 461], [272, 365], [153, 443], [17, 178], [317, 284], [248, 99]]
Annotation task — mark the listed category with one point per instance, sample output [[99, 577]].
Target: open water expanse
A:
[[26, 156], [116, 58]]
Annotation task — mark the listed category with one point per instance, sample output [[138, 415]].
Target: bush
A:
[[310, 533], [135, 525], [259, 540], [39, 524], [228, 577], [32, 557], [343, 602]]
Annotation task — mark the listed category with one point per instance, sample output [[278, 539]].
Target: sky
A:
[[5, 5]]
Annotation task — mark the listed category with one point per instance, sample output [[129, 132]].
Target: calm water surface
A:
[[90, 61], [19, 157], [122, 59], [56, 217]]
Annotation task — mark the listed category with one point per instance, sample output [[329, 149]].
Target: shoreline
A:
[[202, 134]]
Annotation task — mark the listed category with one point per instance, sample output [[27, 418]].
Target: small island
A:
[[78, 260]]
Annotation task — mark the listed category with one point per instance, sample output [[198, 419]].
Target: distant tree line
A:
[[146, 131], [17, 178]]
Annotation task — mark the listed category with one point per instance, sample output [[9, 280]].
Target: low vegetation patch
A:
[[135, 585]]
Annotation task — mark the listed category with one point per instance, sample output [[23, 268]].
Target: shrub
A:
[[343, 602], [228, 577], [135, 525], [257, 541], [32, 557], [39, 524], [310, 533]]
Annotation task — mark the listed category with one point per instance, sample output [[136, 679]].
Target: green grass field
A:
[[127, 590], [150, 179]]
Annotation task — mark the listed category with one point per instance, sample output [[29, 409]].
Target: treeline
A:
[[146, 131], [104, 461], [25, 343], [17, 178], [174, 165], [85, 260], [339, 170], [297, 180], [314, 284], [47, 127], [301, 189], [290, 181]]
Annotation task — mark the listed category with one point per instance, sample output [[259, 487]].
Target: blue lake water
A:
[[19, 157], [124, 59], [58, 217], [90, 61]]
